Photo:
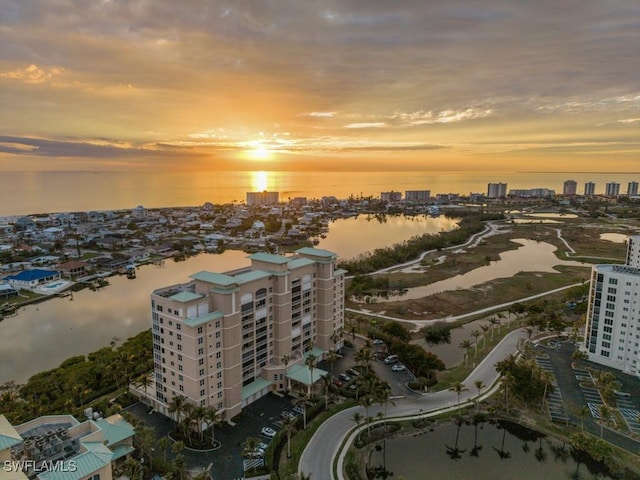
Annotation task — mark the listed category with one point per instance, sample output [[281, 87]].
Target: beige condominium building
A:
[[226, 339]]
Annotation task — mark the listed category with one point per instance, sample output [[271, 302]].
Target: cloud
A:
[[365, 125], [33, 74], [318, 114]]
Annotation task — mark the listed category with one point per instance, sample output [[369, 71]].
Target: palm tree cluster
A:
[[192, 418], [523, 379]]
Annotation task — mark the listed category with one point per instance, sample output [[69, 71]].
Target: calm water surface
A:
[[532, 256], [41, 192], [483, 452], [43, 335]]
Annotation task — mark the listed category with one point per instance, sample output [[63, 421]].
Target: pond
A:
[[350, 237], [484, 451], [532, 256]]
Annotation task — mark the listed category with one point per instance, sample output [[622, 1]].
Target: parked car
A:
[[288, 414], [377, 341], [298, 409], [344, 377], [398, 368], [337, 382], [353, 373], [268, 432], [391, 359]]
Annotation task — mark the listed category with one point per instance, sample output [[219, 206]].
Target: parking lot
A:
[[227, 461], [576, 386]]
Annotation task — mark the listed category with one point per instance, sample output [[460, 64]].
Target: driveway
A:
[[226, 462], [319, 454]]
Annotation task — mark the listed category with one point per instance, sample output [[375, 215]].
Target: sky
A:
[[352, 85]]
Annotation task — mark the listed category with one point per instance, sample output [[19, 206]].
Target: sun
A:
[[260, 152]]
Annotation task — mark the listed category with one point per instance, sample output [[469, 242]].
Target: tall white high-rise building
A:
[[589, 188], [496, 190], [612, 332], [612, 189]]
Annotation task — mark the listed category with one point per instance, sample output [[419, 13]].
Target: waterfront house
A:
[[74, 268], [30, 279]]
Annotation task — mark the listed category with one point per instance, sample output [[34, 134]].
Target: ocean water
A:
[[24, 193]]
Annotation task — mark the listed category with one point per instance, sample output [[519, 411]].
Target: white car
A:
[[398, 368], [268, 432]]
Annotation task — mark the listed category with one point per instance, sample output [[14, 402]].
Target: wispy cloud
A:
[[365, 125]]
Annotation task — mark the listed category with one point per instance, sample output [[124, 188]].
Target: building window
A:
[[200, 329]]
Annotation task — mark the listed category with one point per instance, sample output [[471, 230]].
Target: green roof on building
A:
[[252, 275], [8, 435], [300, 262], [254, 387], [115, 429], [185, 297], [316, 252], [217, 278], [302, 374], [96, 457], [269, 257], [196, 322]]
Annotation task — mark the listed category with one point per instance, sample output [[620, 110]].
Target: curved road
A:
[[323, 447]]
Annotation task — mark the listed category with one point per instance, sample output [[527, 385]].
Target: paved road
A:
[[319, 454]]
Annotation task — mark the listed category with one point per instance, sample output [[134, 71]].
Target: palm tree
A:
[[507, 380], [289, 428], [605, 417], [163, 445], [249, 446], [547, 378], [332, 356], [301, 401], [311, 361], [177, 406], [326, 388], [493, 321], [357, 418], [286, 359], [502, 316], [582, 413], [465, 345], [475, 334], [479, 385], [364, 357], [366, 401], [145, 381], [458, 388], [485, 329], [212, 418]]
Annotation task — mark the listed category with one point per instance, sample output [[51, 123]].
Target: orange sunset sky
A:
[[320, 85]]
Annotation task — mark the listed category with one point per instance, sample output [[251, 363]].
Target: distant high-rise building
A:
[[263, 198], [391, 196], [612, 189], [632, 188], [531, 192], [569, 188], [417, 195], [613, 317], [589, 188], [496, 190]]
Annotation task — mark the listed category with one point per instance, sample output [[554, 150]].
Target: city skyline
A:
[[217, 86]]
